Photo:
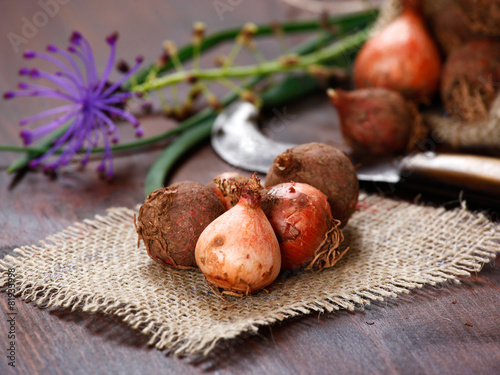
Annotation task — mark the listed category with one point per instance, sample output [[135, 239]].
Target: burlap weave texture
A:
[[394, 246]]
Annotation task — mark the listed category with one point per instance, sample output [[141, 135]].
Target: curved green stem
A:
[[21, 149], [290, 89]]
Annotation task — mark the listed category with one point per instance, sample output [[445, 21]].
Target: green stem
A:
[[124, 146], [21, 149], [44, 145], [285, 91], [342, 23], [267, 68]]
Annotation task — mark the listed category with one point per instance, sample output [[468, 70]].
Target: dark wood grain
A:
[[448, 329]]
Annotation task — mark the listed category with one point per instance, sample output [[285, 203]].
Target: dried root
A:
[[470, 104], [329, 252]]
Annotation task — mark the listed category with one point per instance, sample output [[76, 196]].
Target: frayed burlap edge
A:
[[486, 245]]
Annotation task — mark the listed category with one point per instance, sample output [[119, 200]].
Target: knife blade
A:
[[237, 139]]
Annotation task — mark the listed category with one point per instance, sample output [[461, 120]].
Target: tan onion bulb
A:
[[239, 251]]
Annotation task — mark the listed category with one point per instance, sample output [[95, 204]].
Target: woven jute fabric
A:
[[457, 133], [393, 247]]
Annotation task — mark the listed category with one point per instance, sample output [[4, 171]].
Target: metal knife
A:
[[237, 139]]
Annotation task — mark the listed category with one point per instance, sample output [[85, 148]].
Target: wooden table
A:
[[448, 329]]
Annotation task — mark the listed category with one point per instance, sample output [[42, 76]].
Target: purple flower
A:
[[93, 103]]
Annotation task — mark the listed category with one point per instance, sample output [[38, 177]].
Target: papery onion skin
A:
[[326, 168], [373, 121], [171, 220], [301, 217], [239, 251], [402, 57], [227, 186]]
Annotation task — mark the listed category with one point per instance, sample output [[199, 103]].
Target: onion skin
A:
[[375, 121], [469, 82], [239, 251], [402, 57], [227, 186], [326, 168], [171, 220], [301, 217]]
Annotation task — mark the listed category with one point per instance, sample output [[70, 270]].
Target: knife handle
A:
[[479, 174]]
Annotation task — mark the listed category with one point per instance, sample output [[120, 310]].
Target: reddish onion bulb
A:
[[239, 251], [301, 218], [375, 120], [402, 57]]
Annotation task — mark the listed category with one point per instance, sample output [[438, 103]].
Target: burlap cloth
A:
[[454, 132], [394, 247]]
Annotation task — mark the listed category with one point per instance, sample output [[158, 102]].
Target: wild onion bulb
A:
[[374, 120], [402, 57], [301, 218], [171, 220], [238, 251]]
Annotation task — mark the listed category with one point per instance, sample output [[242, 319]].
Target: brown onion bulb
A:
[[171, 220], [301, 218], [239, 251]]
